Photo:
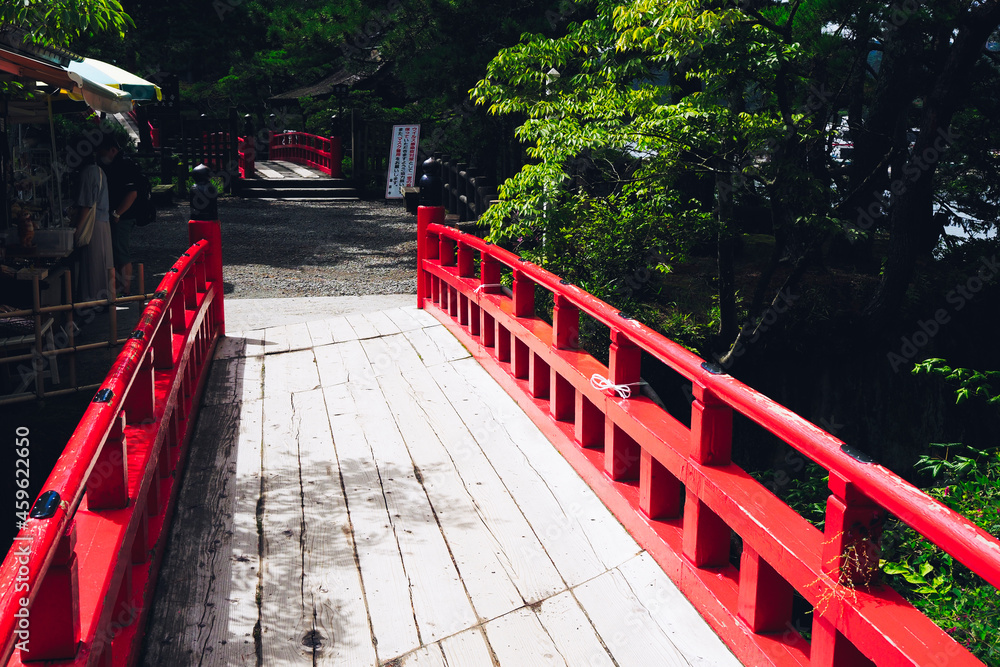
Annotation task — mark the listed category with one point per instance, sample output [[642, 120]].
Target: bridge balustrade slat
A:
[[75, 594], [675, 487]]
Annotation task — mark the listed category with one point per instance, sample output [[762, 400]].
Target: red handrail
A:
[[112, 488], [650, 459], [321, 153]]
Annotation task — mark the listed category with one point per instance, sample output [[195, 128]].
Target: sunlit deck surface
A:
[[360, 491]]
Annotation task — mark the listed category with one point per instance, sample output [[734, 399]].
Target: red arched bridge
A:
[[382, 489]]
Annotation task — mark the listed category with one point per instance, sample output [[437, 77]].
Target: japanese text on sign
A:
[[402, 160]]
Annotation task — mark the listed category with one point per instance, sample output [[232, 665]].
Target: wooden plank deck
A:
[[359, 491]]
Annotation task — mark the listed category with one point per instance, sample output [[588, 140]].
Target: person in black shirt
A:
[[123, 176]]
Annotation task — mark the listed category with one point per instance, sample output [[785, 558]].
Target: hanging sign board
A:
[[402, 160]]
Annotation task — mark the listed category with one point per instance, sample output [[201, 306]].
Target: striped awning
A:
[[103, 86], [91, 72]]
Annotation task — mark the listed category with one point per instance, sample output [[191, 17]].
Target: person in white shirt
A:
[[95, 258]]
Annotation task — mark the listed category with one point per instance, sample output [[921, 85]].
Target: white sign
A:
[[402, 160]]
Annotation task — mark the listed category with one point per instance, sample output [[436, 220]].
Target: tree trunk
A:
[[728, 326]]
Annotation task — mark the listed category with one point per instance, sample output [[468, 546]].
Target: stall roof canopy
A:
[[102, 86]]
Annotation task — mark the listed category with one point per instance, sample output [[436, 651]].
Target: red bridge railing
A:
[[74, 586], [321, 153], [675, 487]]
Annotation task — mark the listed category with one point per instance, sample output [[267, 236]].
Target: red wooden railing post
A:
[[427, 248], [621, 452], [565, 336], [107, 487], [211, 231], [853, 532], [765, 598], [706, 535], [466, 269], [489, 282], [53, 631]]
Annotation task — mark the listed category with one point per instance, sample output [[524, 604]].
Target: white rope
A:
[[601, 383], [484, 286]]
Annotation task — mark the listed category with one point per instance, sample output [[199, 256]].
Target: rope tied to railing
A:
[[484, 286], [601, 383]]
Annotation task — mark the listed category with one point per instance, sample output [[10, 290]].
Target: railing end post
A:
[[211, 230], [426, 215]]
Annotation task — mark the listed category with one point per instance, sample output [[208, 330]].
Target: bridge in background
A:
[[449, 531]]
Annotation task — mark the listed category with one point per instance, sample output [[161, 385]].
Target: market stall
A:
[[36, 239]]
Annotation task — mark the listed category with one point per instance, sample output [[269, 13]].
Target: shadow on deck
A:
[[360, 491]]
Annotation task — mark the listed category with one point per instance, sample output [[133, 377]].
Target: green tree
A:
[[729, 106], [62, 22]]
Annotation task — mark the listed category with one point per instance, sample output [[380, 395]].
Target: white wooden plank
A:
[[428, 656], [477, 554], [512, 539], [422, 316], [552, 518], [321, 332], [404, 319], [290, 372], [234, 380], [519, 639], [331, 330], [440, 602], [362, 327], [605, 534], [451, 348], [467, 648], [382, 323], [288, 338], [624, 625], [230, 346], [283, 620], [430, 353], [332, 582], [571, 631], [241, 604], [678, 618], [343, 362], [386, 587], [242, 344]]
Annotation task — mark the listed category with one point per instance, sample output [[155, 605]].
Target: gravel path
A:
[[295, 248]]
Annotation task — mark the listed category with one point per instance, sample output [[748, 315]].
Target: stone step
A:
[[299, 193], [296, 183]]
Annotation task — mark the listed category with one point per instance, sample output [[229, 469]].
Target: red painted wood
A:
[[565, 324], [447, 251], [711, 428], [621, 451], [659, 489], [519, 358], [107, 486], [852, 548], [524, 295], [109, 540], [538, 377], [54, 628], [779, 546], [588, 423], [561, 397], [706, 535], [765, 599], [322, 153]]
